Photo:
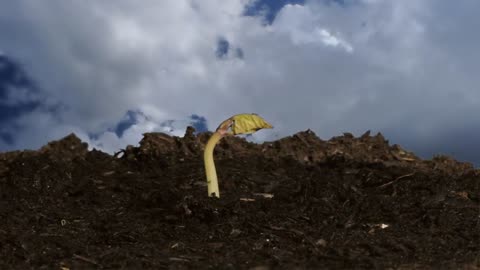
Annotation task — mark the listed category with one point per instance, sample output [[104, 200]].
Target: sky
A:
[[110, 71]]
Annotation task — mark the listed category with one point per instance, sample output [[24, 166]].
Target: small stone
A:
[[235, 232], [321, 243], [260, 267]]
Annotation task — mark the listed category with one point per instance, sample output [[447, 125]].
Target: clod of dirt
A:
[[66, 149], [298, 202]]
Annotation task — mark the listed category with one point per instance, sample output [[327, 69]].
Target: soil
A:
[[296, 203]]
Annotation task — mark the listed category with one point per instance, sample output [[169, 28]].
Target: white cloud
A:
[[407, 68], [301, 24], [109, 141]]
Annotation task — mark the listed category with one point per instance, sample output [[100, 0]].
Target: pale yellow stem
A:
[[212, 181]]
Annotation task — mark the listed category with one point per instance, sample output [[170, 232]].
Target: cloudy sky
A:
[[112, 70]]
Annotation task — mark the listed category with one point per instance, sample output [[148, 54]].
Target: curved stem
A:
[[212, 181]]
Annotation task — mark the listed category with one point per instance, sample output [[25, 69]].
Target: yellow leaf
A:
[[247, 123]]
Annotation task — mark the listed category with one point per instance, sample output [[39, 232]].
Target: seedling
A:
[[238, 124]]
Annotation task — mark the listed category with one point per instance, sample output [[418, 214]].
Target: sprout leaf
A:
[[247, 123]]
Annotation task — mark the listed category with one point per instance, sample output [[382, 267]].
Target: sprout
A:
[[238, 124]]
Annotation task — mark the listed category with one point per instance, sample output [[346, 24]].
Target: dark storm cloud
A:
[[16, 97]]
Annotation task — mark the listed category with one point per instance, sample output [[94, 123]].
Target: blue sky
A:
[[268, 9], [112, 71]]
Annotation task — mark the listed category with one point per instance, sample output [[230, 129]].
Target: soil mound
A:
[[298, 202]]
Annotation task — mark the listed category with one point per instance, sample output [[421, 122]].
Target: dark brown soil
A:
[[296, 203]]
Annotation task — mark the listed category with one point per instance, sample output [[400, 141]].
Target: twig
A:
[[85, 259], [396, 179]]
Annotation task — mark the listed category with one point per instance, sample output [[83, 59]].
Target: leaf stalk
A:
[[212, 180]]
